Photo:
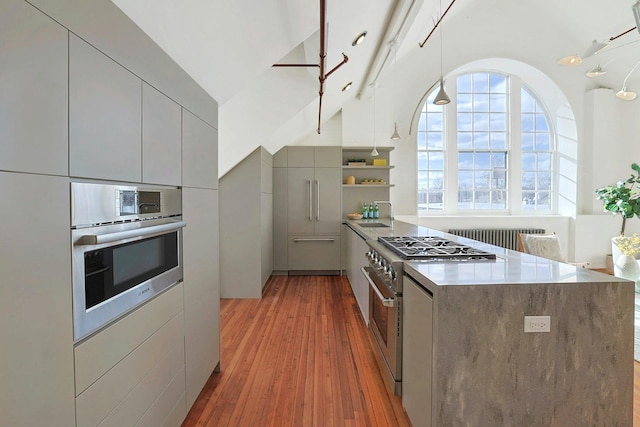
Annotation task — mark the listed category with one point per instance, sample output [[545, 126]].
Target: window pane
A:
[[528, 161], [422, 140], [483, 161], [465, 161], [498, 140], [436, 181], [542, 141], [498, 200], [465, 140], [465, 180], [498, 122], [422, 161], [529, 181], [481, 122], [527, 123], [499, 160], [527, 141], [434, 122], [541, 123], [464, 84], [481, 140], [481, 83], [436, 161], [422, 124], [527, 102], [544, 161], [481, 103], [464, 102], [465, 121], [498, 103], [498, 83], [544, 181], [434, 141]]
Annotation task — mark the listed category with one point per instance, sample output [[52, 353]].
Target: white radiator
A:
[[504, 237]]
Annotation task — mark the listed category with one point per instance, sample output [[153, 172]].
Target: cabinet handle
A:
[[317, 200], [310, 204], [387, 302], [314, 239], [98, 239]]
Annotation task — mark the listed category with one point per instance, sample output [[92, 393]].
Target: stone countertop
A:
[[511, 267]]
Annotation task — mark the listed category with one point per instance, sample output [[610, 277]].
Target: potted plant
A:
[[622, 198]]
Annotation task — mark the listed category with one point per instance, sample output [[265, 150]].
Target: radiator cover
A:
[[503, 237]]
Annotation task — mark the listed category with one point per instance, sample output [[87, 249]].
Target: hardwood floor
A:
[[300, 356]]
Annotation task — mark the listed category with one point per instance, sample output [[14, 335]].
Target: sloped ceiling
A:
[[229, 48]]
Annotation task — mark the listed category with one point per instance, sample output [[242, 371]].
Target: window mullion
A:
[[451, 150], [515, 145]]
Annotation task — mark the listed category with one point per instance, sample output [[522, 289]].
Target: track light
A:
[[636, 13], [624, 94], [596, 72]]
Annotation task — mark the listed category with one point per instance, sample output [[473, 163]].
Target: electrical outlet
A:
[[537, 323]]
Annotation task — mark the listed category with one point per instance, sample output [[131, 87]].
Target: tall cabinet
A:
[[309, 187]]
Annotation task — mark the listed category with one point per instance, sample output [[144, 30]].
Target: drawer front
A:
[[124, 394], [314, 253]]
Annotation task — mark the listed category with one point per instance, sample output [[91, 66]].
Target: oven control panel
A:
[[389, 271]]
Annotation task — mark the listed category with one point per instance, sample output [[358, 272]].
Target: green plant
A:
[[622, 198]]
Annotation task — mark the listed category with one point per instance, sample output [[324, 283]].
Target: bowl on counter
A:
[[354, 215]]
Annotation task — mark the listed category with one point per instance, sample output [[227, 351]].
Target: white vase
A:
[[626, 267]]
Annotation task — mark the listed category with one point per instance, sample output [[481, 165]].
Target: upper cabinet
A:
[[199, 152], [161, 138], [105, 123], [33, 91]]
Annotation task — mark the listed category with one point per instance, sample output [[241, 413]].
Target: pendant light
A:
[[395, 136], [624, 94], [374, 152], [441, 97]]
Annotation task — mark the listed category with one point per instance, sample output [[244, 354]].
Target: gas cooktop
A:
[[433, 248]]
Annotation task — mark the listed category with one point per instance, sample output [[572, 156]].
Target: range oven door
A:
[[118, 267], [385, 324]]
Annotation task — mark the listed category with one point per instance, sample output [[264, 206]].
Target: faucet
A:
[[386, 202]]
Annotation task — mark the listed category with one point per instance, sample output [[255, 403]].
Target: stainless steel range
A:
[[385, 270], [434, 248]]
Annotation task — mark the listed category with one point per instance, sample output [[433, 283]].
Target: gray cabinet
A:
[[246, 217], [201, 288], [161, 138], [417, 353], [33, 91], [36, 372], [307, 236], [199, 152], [105, 122], [355, 250]]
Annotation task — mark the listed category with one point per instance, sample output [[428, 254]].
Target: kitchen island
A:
[[468, 360]]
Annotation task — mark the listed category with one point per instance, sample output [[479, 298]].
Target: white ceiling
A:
[[229, 48]]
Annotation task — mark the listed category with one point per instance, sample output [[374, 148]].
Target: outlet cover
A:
[[537, 323]]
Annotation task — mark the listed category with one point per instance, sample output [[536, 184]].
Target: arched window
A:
[[490, 150]]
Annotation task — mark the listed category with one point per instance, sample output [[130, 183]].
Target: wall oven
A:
[[127, 248], [384, 275]]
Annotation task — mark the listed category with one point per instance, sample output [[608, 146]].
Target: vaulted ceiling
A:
[[229, 48]]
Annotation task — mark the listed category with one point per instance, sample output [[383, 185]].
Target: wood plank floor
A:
[[300, 356]]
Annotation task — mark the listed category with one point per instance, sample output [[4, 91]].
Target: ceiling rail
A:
[[323, 59], [436, 25]]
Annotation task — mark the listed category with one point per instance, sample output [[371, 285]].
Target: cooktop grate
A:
[[433, 247]]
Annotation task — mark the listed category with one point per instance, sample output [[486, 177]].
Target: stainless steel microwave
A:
[[127, 248]]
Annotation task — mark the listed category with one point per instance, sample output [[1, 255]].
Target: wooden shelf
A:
[[367, 167], [368, 185]]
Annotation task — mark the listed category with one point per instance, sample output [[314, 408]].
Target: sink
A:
[[373, 224]]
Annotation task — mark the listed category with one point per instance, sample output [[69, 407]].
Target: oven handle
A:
[[97, 239], [387, 302]]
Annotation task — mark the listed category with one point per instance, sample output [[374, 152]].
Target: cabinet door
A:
[[300, 157], [314, 253], [161, 138], [105, 119], [199, 152], [327, 157], [417, 353], [280, 226], [326, 193], [356, 249], [36, 373], [33, 91], [201, 288], [300, 190]]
